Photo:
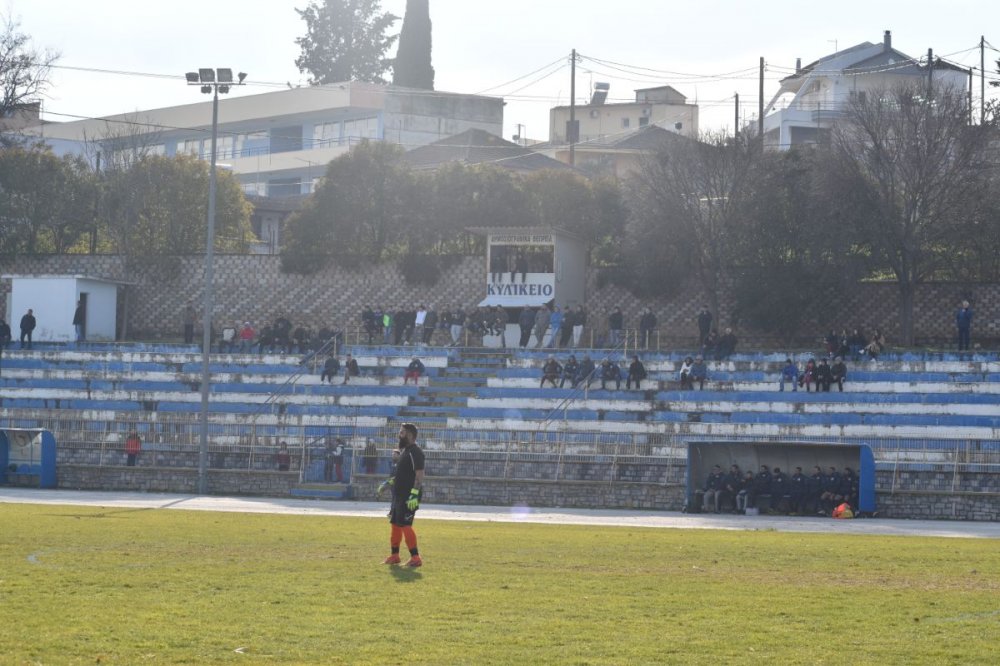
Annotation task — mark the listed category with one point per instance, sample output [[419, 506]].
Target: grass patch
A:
[[130, 586]]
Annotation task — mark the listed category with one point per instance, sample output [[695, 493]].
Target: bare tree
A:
[[24, 70], [906, 171]]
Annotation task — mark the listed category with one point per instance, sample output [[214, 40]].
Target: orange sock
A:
[[411, 540], [395, 538]]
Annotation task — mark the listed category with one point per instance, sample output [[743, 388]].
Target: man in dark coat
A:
[[28, 324]]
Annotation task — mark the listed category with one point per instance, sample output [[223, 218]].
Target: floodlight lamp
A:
[[192, 77], [223, 89], [206, 89], [207, 75], [225, 75], [242, 76]]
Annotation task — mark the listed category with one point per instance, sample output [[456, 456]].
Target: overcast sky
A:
[[479, 45]]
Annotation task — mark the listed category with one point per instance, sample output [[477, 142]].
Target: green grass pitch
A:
[[135, 586]]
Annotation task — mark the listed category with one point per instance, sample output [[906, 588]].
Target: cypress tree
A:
[[412, 67]]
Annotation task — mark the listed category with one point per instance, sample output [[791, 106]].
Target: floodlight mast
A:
[[211, 81]]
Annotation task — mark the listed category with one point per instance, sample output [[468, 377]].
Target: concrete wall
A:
[[255, 288]]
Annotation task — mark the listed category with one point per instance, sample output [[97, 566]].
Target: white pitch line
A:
[[516, 514]]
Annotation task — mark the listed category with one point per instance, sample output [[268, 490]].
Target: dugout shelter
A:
[[27, 454], [786, 455]]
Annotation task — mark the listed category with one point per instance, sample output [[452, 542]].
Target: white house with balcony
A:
[[812, 99]]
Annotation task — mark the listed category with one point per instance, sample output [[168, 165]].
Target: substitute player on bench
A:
[[406, 483]]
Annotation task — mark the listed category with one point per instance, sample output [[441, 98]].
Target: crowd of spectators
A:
[[792, 495]]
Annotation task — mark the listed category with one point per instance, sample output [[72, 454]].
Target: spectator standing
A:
[[282, 458], [963, 321], [430, 325], [333, 459], [555, 323], [419, 319], [370, 456], [647, 324], [414, 371], [542, 319], [568, 323], [28, 324], [386, 326], [4, 334], [189, 318], [457, 325], [636, 373], [330, 369], [579, 321], [246, 337], [823, 376], [132, 447], [789, 373], [80, 321], [699, 372], [525, 321], [715, 486], [520, 266], [616, 322], [711, 344], [704, 320], [610, 372], [856, 341], [351, 369], [685, 374], [550, 372]]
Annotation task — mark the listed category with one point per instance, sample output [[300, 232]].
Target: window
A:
[[326, 134], [189, 147], [361, 128], [224, 146], [625, 123], [643, 121], [251, 143]]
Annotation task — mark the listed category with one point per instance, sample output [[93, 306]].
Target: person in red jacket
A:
[[132, 447]]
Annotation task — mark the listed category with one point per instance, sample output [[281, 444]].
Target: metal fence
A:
[[172, 440]]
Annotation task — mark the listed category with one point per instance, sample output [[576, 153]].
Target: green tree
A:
[[345, 40], [687, 202], [789, 255], [46, 202], [360, 209], [908, 170], [412, 67], [159, 206]]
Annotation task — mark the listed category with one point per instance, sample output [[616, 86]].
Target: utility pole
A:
[[930, 72], [760, 104], [736, 118], [970, 95], [97, 205], [982, 79], [571, 130]]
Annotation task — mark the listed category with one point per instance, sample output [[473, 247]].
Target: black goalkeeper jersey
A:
[[411, 460]]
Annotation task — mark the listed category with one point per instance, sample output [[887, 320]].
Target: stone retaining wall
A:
[[253, 287]]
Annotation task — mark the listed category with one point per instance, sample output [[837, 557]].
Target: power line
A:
[[512, 81]]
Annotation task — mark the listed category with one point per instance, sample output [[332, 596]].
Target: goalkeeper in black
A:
[[406, 485]]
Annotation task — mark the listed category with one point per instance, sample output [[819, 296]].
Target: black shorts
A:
[[400, 515]]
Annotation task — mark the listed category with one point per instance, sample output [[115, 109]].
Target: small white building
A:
[[53, 299], [662, 106]]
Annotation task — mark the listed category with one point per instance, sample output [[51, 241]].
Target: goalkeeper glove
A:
[[414, 500], [382, 487]]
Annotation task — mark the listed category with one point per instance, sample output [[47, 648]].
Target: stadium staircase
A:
[[449, 393]]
